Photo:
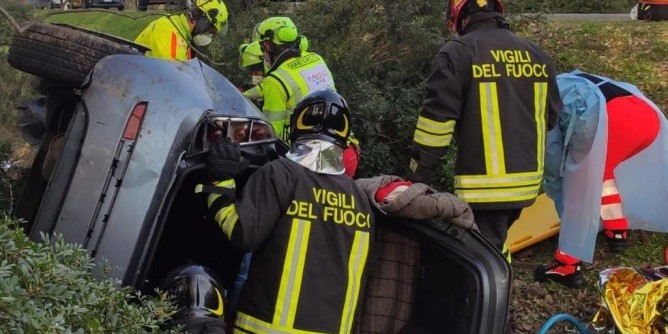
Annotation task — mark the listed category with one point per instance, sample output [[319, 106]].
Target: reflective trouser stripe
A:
[[540, 104], [498, 195], [433, 133], [609, 188], [611, 205], [356, 263], [491, 129], [291, 278], [254, 325], [612, 211], [498, 181]]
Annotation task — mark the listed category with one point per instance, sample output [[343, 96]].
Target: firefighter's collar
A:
[[318, 155]]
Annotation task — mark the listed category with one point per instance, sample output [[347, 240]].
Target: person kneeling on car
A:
[[308, 225], [170, 37]]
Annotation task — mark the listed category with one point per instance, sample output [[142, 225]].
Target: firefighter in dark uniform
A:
[[308, 225], [496, 94]]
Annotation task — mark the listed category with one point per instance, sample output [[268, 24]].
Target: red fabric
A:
[[565, 258], [615, 224], [632, 126], [612, 199], [173, 46], [350, 160], [381, 194]]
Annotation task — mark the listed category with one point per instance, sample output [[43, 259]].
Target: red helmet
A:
[[458, 9]]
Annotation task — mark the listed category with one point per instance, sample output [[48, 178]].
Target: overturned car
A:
[[118, 160]]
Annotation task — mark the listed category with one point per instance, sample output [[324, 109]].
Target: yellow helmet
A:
[[250, 54], [303, 43], [279, 30], [216, 14], [255, 37]]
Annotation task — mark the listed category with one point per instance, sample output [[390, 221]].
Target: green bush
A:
[[380, 54], [15, 87], [47, 287], [11, 176]]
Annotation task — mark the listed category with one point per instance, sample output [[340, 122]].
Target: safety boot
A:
[[616, 240], [569, 275]]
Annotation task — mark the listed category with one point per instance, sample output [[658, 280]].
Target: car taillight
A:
[[133, 124], [240, 130], [260, 132]]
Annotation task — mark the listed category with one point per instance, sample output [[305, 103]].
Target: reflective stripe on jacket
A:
[[167, 37], [496, 94], [310, 235], [290, 81]]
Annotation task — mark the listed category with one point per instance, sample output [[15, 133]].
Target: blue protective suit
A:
[[574, 164]]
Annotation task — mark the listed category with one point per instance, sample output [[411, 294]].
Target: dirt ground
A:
[[533, 303]]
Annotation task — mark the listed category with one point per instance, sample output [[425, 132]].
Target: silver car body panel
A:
[[119, 185]]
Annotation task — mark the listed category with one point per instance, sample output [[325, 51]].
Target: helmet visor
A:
[[311, 118], [338, 122]]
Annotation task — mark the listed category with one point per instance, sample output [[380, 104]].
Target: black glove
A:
[[224, 160]]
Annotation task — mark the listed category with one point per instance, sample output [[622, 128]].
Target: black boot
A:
[[569, 275], [616, 240]]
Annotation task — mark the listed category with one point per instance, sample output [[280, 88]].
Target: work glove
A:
[[224, 160]]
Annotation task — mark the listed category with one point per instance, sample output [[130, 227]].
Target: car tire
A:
[[120, 8], [59, 53]]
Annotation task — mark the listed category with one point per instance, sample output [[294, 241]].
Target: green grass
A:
[[126, 24], [631, 51], [534, 303]]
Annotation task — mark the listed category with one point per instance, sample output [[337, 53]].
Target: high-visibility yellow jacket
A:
[[496, 93], [310, 235], [289, 81], [167, 37], [254, 93]]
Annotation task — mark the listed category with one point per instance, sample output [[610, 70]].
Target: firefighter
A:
[[604, 123], [292, 73], [496, 94], [170, 37], [308, 225]]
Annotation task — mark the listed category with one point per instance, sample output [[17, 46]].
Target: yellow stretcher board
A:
[[536, 223]]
